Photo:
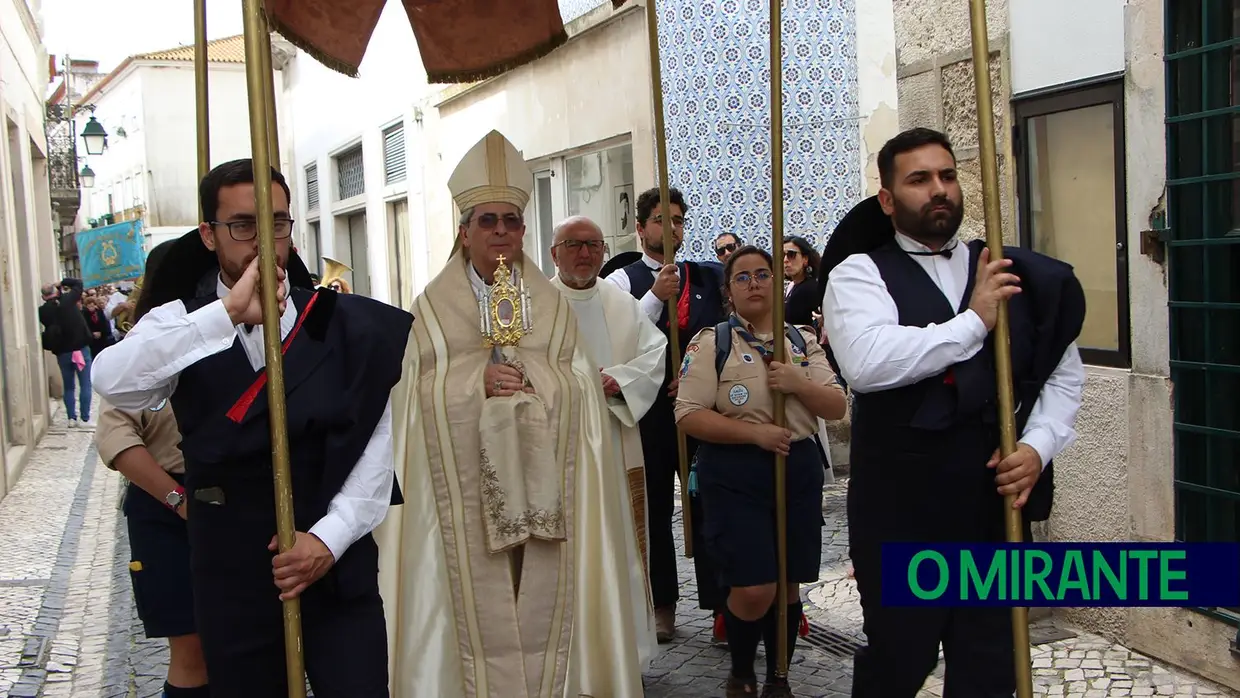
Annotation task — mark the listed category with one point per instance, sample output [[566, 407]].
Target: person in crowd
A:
[[68, 337]]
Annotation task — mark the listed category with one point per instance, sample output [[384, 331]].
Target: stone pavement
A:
[[68, 625]]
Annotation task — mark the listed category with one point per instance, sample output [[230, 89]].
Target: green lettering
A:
[[1143, 572], [970, 579], [1073, 575], [916, 587], [1015, 566], [1039, 577], [1119, 584], [1166, 575]]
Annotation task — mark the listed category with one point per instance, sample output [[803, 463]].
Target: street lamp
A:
[[95, 137], [87, 177]]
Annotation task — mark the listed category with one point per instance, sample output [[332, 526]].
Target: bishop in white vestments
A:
[[631, 354], [505, 574]]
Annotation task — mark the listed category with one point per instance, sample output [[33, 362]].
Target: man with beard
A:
[[201, 347], [698, 290], [908, 317]]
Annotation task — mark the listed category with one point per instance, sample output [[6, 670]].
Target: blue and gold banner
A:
[[112, 253]]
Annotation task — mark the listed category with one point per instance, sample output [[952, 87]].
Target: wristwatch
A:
[[174, 499]]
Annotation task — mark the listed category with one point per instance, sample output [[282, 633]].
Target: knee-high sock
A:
[[770, 630], [171, 691], [743, 639]]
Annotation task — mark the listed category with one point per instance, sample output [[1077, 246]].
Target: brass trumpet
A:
[[333, 275], [124, 318]]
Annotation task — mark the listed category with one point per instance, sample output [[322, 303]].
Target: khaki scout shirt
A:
[[119, 430], [743, 392]]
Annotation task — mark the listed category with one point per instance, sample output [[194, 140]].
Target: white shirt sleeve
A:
[[874, 351], [1051, 426], [141, 371], [363, 500], [650, 303]]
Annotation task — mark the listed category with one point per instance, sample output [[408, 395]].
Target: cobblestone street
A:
[[68, 625]]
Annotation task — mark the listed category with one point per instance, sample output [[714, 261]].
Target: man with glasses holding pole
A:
[[201, 348]]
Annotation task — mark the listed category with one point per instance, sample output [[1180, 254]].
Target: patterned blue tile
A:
[[572, 9], [716, 81]]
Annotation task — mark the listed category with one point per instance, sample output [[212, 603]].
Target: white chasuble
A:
[[629, 348], [456, 627]]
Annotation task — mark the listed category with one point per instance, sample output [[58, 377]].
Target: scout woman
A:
[[727, 404], [143, 445]]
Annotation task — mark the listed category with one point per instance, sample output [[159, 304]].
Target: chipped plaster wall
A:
[[1116, 482], [876, 85], [935, 86]]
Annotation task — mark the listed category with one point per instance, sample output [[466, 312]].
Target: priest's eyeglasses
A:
[[745, 278], [244, 231], [488, 221]]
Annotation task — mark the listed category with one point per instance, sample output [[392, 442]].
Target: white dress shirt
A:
[[651, 305], [874, 352], [142, 371]]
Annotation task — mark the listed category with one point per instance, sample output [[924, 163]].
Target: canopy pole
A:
[[201, 91], [273, 125], [669, 256], [1013, 519], [777, 323], [255, 37]]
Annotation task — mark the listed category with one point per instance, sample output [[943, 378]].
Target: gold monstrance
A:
[[504, 309]]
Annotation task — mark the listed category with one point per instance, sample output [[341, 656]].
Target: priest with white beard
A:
[[631, 354]]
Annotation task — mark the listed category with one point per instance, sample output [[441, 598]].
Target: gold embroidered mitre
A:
[[493, 171]]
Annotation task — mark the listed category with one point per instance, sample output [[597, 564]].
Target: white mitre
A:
[[493, 171]]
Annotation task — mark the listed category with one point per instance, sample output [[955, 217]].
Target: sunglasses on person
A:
[[724, 249]]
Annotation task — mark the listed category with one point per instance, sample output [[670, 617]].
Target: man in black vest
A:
[[201, 346], [652, 280], [909, 318]]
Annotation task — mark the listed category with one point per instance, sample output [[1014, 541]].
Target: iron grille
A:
[[1203, 186], [62, 169], [312, 188], [394, 154], [832, 641], [350, 174]]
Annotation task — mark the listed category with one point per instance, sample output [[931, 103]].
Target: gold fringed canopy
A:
[[459, 40]]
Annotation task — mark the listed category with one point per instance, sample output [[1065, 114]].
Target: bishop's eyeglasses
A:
[[244, 231]]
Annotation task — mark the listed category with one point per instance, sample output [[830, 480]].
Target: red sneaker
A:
[[720, 632], [803, 631]]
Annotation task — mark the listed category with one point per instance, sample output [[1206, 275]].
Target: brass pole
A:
[[1003, 352], [255, 36], [669, 256], [201, 90], [777, 326], [273, 126]]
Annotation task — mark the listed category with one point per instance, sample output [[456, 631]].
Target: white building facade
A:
[[149, 170], [1120, 154], [28, 256]]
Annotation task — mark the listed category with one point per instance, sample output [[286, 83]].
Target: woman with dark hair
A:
[[726, 401], [801, 297]]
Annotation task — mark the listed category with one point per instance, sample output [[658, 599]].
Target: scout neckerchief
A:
[[766, 349]]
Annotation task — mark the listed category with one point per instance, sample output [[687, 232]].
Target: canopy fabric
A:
[[459, 40]]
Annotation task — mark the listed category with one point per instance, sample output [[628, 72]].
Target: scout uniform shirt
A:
[[120, 430], [743, 391]]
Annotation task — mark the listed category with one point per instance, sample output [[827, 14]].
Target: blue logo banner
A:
[[112, 253], [1062, 574]]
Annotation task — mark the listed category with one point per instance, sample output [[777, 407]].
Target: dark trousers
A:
[[240, 616], [903, 644], [662, 469]]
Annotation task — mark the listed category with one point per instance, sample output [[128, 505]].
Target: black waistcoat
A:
[[919, 452], [338, 373], [706, 309]]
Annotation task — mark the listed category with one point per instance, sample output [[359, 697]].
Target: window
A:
[[394, 154], [312, 188], [399, 274], [350, 175], [543, 221], [1070, 150], [314, 246], [1203, 264], [600, 186], [351, 250]]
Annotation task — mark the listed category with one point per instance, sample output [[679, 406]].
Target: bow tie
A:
[[946, 252]]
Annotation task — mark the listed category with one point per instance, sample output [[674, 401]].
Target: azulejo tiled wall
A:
[[716, 81]]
